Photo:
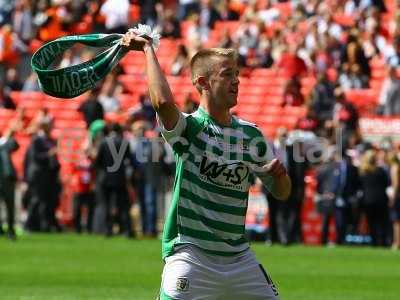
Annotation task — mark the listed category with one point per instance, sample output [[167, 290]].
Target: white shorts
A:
[[191, 274]]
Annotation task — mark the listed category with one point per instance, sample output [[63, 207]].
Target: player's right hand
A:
[[132, 41]]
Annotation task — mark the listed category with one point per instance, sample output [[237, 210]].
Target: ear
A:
[[202, 81]]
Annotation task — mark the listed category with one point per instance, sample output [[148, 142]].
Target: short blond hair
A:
[[202, 62], [368, 162]]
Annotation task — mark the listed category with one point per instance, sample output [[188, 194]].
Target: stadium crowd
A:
[[320, 50]]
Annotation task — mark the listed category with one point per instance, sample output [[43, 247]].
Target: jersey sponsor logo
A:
[[226, 175], [182, 284]]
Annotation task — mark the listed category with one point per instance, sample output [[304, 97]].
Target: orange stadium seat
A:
[[69, 124], [344, 20], [268, 131], [70, 133], [128, 100], [72, 101], [66, 114], [19, 97], [285, 8], [231, 26], [116, 117], [250, 99], [377, 64], [264, 72], [376, 84], [6, 113], [364, 99], [294, 111], [58, 104], [185, 26], [273, 100]]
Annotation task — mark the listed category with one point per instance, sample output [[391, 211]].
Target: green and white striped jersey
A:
[[214, 171]]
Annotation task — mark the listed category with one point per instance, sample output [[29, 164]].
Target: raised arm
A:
[[160, 92]]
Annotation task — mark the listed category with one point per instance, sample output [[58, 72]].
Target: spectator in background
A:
[[208, 14], [354, 53], [43, 178], [227, 12], [23, 20], [147, 154], [311, 38], [324, 197], [8, 179], [280, 150], [288, 213], [10, 47], [149, 11], [344, 77], [226, 40], [394, 198], [389, 98], [357, 80], [111, 182], [143, 110], [31, 83], [197, 32], [51, 20], [108, 96], [70, 58], [337, 196], [322, 98], [394, 53], [181, 61], [5, 99], [91, 108], [262, 56], [42, 116], [345, 117], [292, 95], [170, 27], [13, 82], [187, 8], [375, 181], [267, 13], [6, 10], [83, 181], [309, 122], [246, 37], [374, 44], [347, 188], [116, 14], [290, 64], [96, 132]]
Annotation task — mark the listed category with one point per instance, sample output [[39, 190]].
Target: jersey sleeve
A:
[[265, 154], [176, 136]]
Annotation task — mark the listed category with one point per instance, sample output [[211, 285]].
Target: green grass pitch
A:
[[68, 266]]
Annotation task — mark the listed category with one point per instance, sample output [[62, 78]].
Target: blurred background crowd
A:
[[310, 69]]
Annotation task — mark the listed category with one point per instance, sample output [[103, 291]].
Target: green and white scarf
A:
[[74, 80]]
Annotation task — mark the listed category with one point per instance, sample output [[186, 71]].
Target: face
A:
[[224, 83]]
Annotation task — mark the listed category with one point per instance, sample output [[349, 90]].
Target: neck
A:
[[221, 115]]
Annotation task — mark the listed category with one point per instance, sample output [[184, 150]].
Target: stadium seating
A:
[[260, 96]]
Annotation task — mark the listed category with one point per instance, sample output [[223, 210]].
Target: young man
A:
[[206, 255]]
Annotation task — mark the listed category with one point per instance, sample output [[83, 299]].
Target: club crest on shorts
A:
[[182, 284]]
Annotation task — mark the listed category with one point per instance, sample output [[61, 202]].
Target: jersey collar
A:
[[204, 114]]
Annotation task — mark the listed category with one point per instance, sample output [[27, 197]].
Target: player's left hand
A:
[[274, 168]]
